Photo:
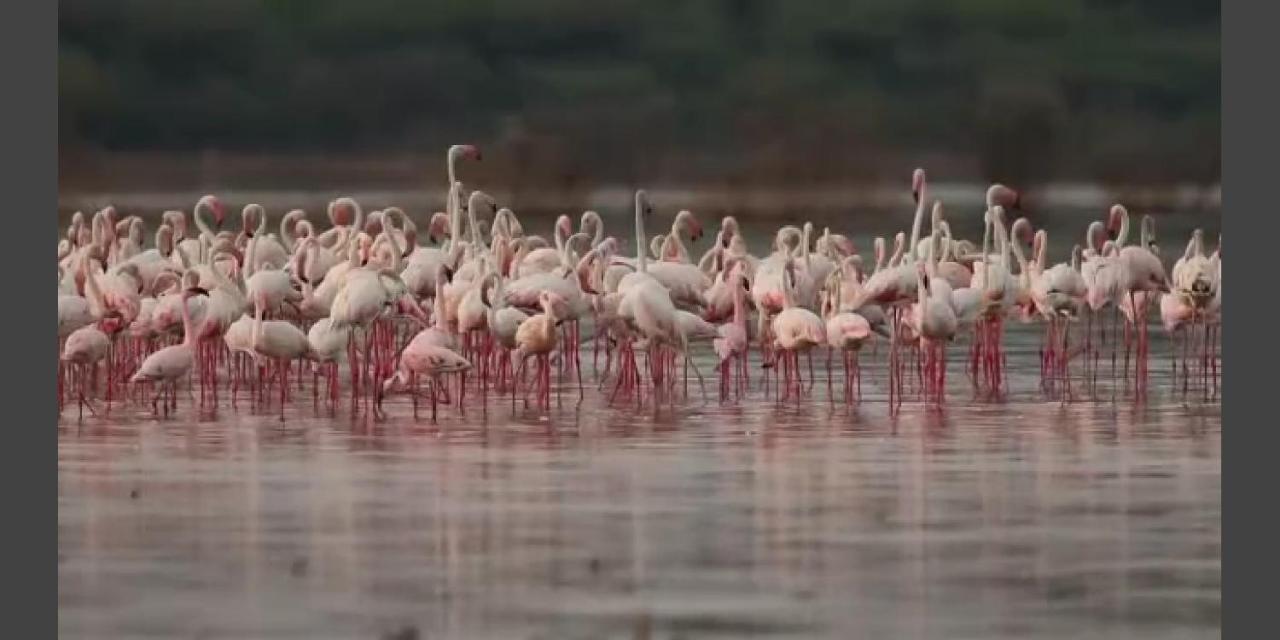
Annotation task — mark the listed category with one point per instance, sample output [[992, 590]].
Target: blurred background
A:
[[567, 96]]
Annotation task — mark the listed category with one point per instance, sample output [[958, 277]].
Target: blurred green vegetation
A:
[[1023, 90]]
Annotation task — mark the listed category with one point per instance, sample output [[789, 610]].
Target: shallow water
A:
[[1023, 518]]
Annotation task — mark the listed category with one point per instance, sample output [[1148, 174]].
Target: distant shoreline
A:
[[757, 202], [155, 180]]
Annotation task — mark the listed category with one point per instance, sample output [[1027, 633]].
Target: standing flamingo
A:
[[171, 364], [537, 336], [795, 330]]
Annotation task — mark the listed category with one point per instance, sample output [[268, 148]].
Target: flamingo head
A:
[[213, 204], [843, 245], [342, 212], [917, 184], [469, 151], [373, 222], [438, 227], [643, 206], [293, 220], [998, 194], [729, 225], [112, 322], [1023, 231], [252, 217], [1115, 218], [691, 224], [564, 226], [590, 222], [1097, 234]]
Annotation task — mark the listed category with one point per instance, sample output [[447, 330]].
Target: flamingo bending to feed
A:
[[731, 343], [84, 348], [423, 359]]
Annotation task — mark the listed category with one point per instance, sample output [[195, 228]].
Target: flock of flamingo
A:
[[485, 308]]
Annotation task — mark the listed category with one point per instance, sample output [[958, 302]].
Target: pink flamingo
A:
[[1141, 275], [85, 348], [171, 364], [281, 341], [846, 332], [731, 343], [796, 330], [537, 336], [423, 359]]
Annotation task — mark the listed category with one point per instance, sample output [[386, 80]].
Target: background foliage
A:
[[716, 89]]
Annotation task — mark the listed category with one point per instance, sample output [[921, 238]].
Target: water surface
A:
[[1023, 518]]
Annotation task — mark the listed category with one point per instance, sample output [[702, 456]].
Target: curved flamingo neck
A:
[[677, 245], [1122, 236], [788, 283], [188, 326], [438, 305], [641, 265], [250, 256], [548, 328], [256, 336], [599, 234], [206, 233], [286, 232], [804, 246], [739, 303], [1041, 249], [92, 292], [454, 206], [896, 258], [918, 222]]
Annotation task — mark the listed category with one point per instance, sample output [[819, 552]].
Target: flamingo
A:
[[546, 260], [646, 306], [1141, 275], [847, 332], [537, 337], [502, 321], [795, 330], [1059, 296], [171, 364], [423, 359], [269, 251], [281, 341], [935, 322], [267, 280], [731, 342], [84, 348], [329, 345]]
